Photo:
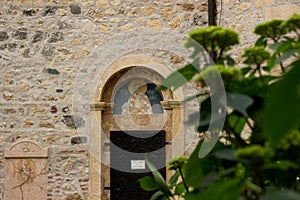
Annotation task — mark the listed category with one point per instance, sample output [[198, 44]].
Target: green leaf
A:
[[261, 41], [239, 102], [229, 189], [282, 112], [226, 154], [177, 163], [159, 180], [157, 195], [276, 194], [236, 122], [281, 165], [148, 183], [255, 55], [246, 70], [173, 180], [199, 167], [179, 77], [194, 165], [180, 189], [286, 55], [271, 61]]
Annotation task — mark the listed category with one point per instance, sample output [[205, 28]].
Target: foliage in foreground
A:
[[265, 165]]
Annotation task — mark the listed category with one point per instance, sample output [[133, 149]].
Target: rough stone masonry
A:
[[43, 43]]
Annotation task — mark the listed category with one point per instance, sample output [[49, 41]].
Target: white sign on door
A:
[[138, 164]]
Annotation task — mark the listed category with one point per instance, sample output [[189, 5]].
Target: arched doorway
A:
[[130, 112]]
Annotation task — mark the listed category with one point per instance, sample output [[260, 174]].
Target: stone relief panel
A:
[[25, 171]]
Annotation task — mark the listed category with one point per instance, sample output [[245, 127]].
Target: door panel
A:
[[128, 152]]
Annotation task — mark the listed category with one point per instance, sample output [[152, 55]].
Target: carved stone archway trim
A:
[[26, 149]]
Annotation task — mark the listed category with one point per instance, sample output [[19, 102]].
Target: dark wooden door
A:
[[128, 152]]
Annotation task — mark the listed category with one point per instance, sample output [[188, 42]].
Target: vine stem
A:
[[183, 180]]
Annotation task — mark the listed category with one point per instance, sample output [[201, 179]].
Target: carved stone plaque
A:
[[25, 171]]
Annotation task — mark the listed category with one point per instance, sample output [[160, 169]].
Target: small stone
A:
[[199, 20], [49, 10], [28, 123], [8, 95], [186, 7], [102, 3], [203, 7], [12, 46], [46, 125], [75, 9], [56, 37], [51, 71], [78, 140], [20, 34], [29, 13], [73, 121], [154, 23], [53, 109], [175, 23], [148, 10], [65, 109], [127, 27], [110, 12], [175, 59], [48, 50], [95, 14], [37, 37], [59, 90], [167, 12], [26, 53], [133, 12], [3, 36]]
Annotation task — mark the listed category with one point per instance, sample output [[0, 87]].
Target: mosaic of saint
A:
[[137, 96]]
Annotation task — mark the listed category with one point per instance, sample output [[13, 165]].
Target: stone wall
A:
[[243, 15], [44, 45]]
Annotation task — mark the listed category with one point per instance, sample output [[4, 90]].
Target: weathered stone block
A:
[[186, 7], [148, 10], [75, 9], [48, 50], [74, 196], [37, 37], [3, 36], [154, 23], [49, 10], [29, 12], [78, 140], [55, 37], [20, 34]]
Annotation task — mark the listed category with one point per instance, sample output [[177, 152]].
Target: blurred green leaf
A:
[[159, 180], [179, 77], [173, 180], [180, 189], [282, 111], [239, 102], [148, 183], [229, 189], [157, 196], [276, 194], [195, 165], [226, 154]]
